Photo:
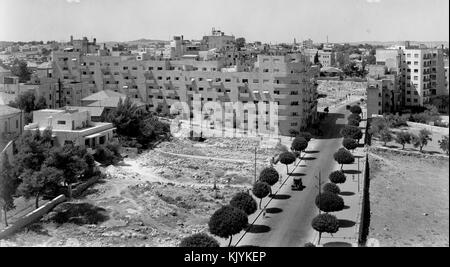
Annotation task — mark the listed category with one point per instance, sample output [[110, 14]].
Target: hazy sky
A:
[[262, 20]]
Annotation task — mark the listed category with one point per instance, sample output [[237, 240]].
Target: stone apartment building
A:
[[326, 58], [383, 92], [287, 79]]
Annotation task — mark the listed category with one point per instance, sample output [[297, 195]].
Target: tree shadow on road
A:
[[337, 244], [312, 152], [298, 174], [352, 172], [309, 158], [281, 197], [274, 210], [347, 194], [346, 223], [258, 229]]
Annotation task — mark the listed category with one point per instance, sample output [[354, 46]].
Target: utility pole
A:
[[255, 164]]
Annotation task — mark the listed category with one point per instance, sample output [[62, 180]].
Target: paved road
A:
[[287, 222]]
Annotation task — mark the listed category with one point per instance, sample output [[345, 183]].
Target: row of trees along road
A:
[[328, 199], [231, 219]]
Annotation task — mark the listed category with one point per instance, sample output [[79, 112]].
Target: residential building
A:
[[383, 94], [288, 79], [71, 126], [326, 58], [218, 39], [11, 122]]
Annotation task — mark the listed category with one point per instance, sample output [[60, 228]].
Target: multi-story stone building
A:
[[383, 94], [326, 58], [287, 79]]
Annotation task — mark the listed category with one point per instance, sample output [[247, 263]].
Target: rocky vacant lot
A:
[[154, 199], [337, 90], [409, 199]]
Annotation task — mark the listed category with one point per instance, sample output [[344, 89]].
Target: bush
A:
[[244, 202], [349, 143], [299, 144], [337, 177], [351, 132], [355, 109], [325, 223], [332, 188], [227, 221], [343, 156], [443, 144], [105, 156], [329, 202], [269, 175], [395, 121], [200, 240]]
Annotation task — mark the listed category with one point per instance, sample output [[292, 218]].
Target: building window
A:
[[61, 122], [294, 103]]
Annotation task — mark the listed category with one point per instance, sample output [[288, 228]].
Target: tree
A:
[[35, 183], [293, 132], [355, 117], [353, 123], [269, 175], [377, 125], [306, 135], [443, 144], [385, 136], [69, 160], [299, 144], [403, 138], [356, 109], [325, 223], [105, 156], [316, 58], [287, 158], [349, 143], [245, 202], [8, 186], [343, 156], [422, 139], [19, 69], [25, 101], [337, 177], [41, 103], [32, 150], [352, 132], [261, 190], [227, 221], [200, 240], [332, 188], [329, 202]]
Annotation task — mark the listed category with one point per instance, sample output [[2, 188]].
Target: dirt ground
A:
[[336, 91], [409, 199], [155, 199]]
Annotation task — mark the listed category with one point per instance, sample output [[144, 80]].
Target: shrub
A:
[[332, 188], [244, 202], [351, 132], [105, 156], [309, 245], [443, 144], [200, 240], [343, 156], [395, 121], [287, 158], [337, 177], [269, 175], [355, 109], [261, 190], [227, 221], [349, 143], [299, 144], [403, 138], [329, 202], [325, 223]]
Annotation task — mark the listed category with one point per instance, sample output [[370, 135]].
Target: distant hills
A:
[[390, 43]]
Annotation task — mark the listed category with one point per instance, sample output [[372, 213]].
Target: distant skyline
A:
[[256, 20]]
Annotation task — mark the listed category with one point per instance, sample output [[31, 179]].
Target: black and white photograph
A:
[[199, 124]]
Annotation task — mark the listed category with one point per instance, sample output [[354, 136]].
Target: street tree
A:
[[353, 123], [325, 223], [245, 202], [287, 158], [443, 144], [261, 190], [308, 136], [403, 138], [385, 136], [299, 144], [337, 177], [227, 221], [269, 175], [36, 183], [329, 202], [8, 186], [332, 188], [352, 132], [422, 139], [343, 156], [199, 240], [349, 143], [354, 116], [356, 109]]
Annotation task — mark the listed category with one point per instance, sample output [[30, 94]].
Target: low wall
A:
[[434, 129], [32, 217]]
